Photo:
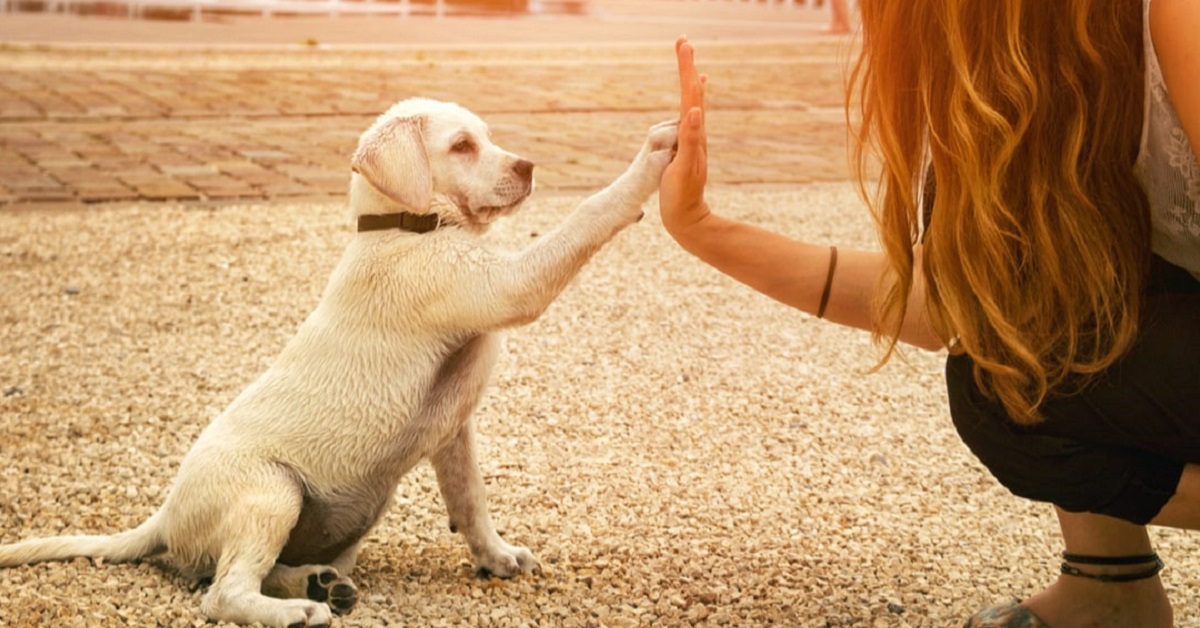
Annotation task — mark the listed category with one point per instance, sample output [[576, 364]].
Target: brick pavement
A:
[[80, 126]]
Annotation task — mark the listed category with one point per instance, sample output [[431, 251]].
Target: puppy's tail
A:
[[144, 540]]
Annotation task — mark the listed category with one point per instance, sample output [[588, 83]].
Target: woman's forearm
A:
[[784, 269], [794, 273]]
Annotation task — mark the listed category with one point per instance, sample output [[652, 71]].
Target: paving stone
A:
[[267, 155], [20, 204], [40, 181], [265, 178], [215, 125], [189, 170], [215, 186], [63, 163], [109, 111], [144, 175], [166, 191], [18, 112], [76, 176], [238, 168], [42, 194], [291, 188], [106, 194]]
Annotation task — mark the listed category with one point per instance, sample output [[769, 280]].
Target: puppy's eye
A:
[[465, 145]]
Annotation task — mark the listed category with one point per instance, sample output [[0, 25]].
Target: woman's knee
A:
[[1070, 472]]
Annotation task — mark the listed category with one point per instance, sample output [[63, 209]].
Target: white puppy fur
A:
[[279, 490]]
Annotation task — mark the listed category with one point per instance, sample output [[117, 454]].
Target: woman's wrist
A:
[[690, 227]]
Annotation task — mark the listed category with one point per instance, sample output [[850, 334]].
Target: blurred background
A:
[[192, 9], [346, 22]]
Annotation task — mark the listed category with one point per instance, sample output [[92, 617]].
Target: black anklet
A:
[[1113, 561]]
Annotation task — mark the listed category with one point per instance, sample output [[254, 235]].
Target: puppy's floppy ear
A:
[[394, 162]]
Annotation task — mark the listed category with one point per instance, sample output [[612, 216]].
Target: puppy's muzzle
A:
[[518, 184]]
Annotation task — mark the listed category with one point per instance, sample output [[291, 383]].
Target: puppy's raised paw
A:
[[664, 136], [656, 154]]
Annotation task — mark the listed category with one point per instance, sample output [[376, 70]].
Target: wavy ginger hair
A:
[[1027, 114]]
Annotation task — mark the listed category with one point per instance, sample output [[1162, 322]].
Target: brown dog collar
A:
[[404, 221]]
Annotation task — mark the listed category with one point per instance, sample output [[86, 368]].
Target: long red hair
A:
[[1027, 114]]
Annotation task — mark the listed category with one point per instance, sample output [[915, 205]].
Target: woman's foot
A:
[[1005, 616], [1073, 602]]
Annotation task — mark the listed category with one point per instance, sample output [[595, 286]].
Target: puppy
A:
[[270, 502]]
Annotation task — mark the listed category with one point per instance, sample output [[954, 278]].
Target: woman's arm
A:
[[784, 269], [1175, 27]]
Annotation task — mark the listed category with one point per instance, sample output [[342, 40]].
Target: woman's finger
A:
[[691, 154], [691, 85]]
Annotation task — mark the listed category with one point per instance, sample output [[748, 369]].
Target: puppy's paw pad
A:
[[326, 586], [318, 585], [343, 596]]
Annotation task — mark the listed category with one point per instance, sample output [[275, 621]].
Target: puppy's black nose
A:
[[523, 168]]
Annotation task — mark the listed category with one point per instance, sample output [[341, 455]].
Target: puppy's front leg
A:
[[624, 197], [550, 263], [462, 489], [523, 286]]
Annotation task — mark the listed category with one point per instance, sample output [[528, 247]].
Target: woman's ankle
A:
[[1073, 602], [1099, 546]]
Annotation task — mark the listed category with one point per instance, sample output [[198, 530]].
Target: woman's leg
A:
[[1077, 601], [1183, 509], [1116, 448]]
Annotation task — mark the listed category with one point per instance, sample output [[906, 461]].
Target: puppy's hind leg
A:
[[260, 520], [321, 583], [462, 489]]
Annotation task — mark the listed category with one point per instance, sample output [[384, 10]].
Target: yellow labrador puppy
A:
[[271, 503]]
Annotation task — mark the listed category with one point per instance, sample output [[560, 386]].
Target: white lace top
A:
[[1168, 170]]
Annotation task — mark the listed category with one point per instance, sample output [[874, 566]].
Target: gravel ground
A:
[[675, 448]]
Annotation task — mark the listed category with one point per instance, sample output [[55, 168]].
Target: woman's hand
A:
[[788, 270], [681, 193]]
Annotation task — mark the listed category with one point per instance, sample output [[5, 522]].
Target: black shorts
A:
[[1119, 446]]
